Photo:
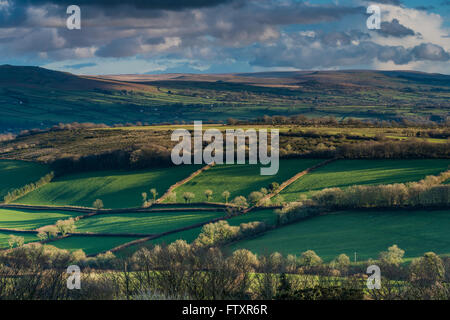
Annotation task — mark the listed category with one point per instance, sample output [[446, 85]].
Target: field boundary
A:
[[288, 182], [88, 211], [180, 183], [18, 230]]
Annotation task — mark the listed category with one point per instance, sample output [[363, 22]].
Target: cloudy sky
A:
[[218, 36]]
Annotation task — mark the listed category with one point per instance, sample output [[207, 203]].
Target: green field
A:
[[117, 189], [364, 232], [267, 216], [30, 220], [145, 223], [4, 237], [239, 180], [16, 174], [344, 173], [90, 245]]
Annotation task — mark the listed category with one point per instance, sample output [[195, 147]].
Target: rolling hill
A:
[[33, 97]]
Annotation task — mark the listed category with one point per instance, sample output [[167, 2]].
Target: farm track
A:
[[286, 183], [179, 183]]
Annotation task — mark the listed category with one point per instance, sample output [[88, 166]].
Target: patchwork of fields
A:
[[366, 232]]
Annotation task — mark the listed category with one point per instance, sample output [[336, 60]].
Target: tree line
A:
[[188, 271], [20, 192]]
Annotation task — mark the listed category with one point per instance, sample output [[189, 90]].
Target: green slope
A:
[[146, 223], [344, 173], [29, 220], [90, 245], [16, 174], [363, 232], [117, 189]]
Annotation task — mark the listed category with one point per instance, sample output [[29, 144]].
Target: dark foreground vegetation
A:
[[184, 271]]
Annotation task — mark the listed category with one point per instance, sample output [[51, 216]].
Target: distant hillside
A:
[[33, 97]]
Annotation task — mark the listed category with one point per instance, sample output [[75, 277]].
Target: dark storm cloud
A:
[[429, 51], [120, 48], [394, 29], [140, 4], [206, 31]]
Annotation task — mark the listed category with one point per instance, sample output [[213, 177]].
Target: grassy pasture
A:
[[145, 223], [364, 232], [30, 220], [16, 174], [267, 216], [4, 237], [90, 245], [344, 173], [117, 189], [239, 180]]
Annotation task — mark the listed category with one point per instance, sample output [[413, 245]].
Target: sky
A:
[[224, 36]]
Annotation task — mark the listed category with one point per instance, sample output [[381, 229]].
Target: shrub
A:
[[310, 259], [394, 256], [172, 197], [98, 204], [240, 201], [214, 234], [15, 241], [188, 197], [226, 195], [208, 194], [66, 226], [255, 197], [427, 270]]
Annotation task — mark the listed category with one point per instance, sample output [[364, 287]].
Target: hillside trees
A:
[[188, 197], [18, 193], [98, 204]]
